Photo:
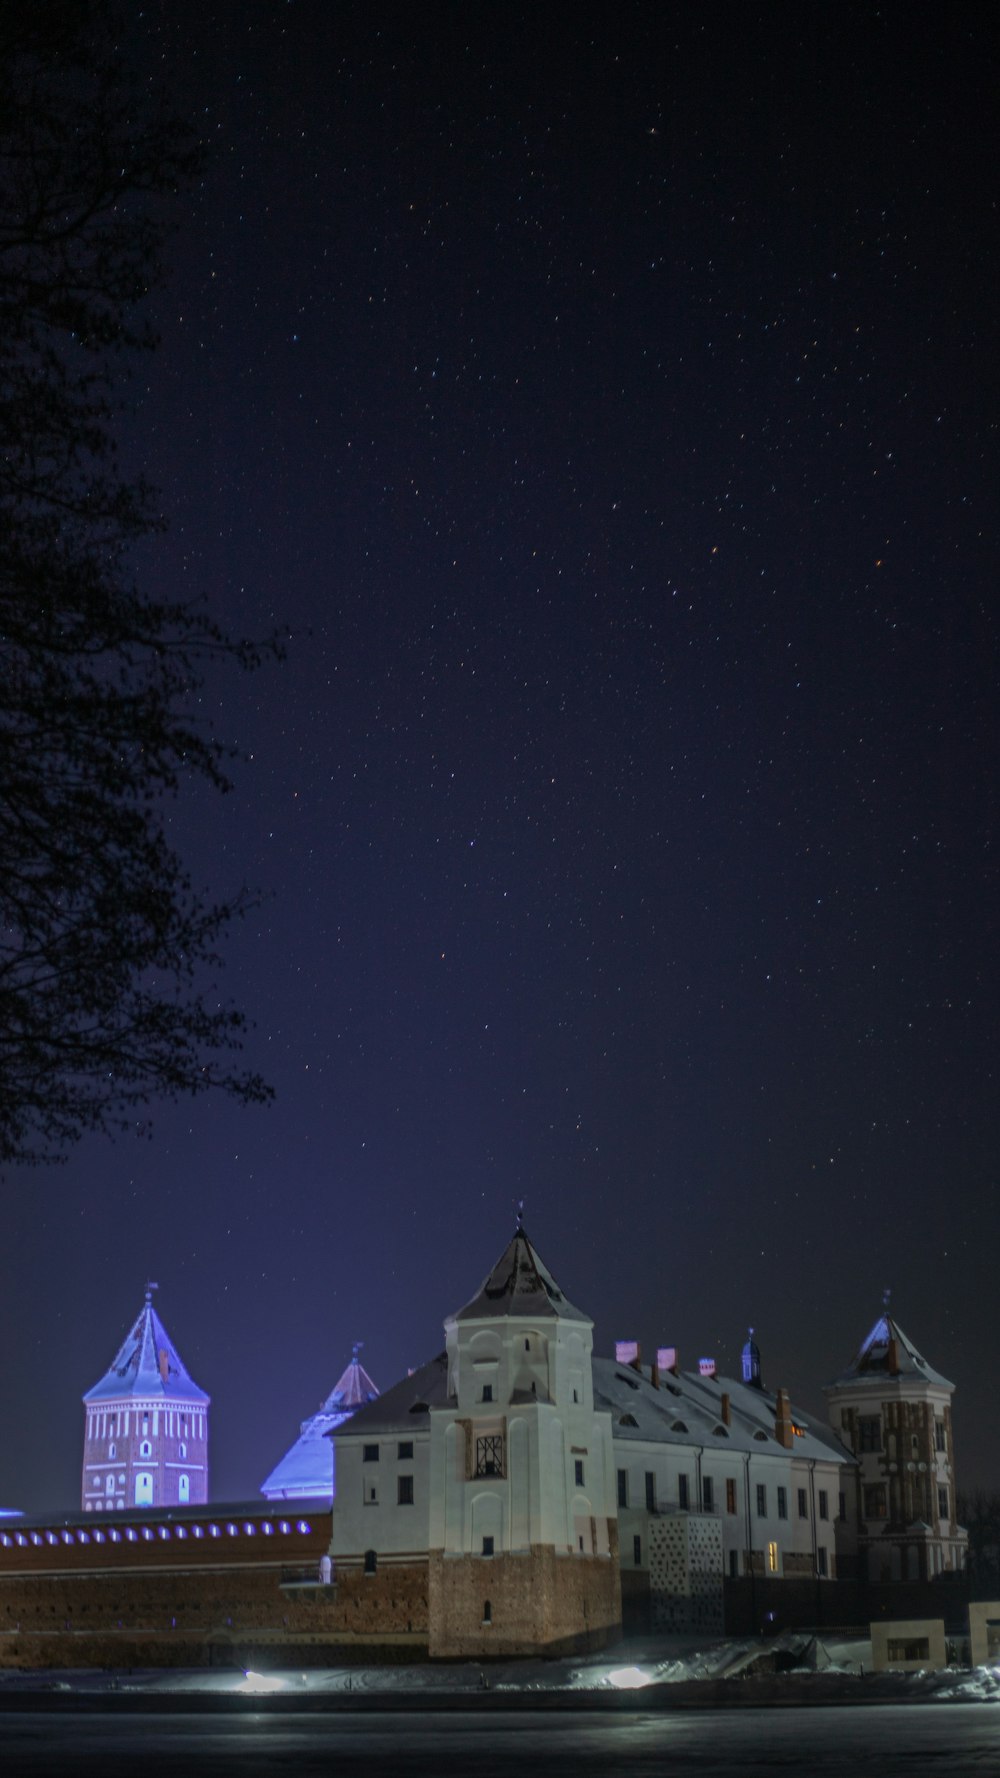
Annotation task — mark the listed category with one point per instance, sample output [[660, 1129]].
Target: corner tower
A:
[[523, 1525], [306, 1471], [146, 1437], [893, 1411]]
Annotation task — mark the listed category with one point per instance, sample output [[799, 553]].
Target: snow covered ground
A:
[[637, 1665]]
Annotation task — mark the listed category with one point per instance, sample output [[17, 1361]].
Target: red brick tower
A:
[[146, 1437]]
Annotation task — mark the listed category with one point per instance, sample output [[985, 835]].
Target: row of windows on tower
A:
[[732, 1505], [175, 1425], [142, 1491], [146, 1450], [870, 1436]]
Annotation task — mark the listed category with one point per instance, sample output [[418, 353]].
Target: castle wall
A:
[[533, 1603]]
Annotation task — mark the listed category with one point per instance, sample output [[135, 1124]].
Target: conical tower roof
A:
[[307, 1468], [520, 1284], [148, 1365], [888, 1352]]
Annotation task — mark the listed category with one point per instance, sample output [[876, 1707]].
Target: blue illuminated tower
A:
[[146, 1438]]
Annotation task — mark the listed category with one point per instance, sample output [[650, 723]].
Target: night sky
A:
[[604, 405]]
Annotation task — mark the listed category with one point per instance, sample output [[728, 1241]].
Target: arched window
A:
[[145, 1449], [143, 1488], [182, 1451], [371, 1561], [112, 1452], [109, 1484], [183, 1489], [487, 1612]]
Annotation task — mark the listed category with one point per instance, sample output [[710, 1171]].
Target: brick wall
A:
[[538, 1602], [191, 1617]]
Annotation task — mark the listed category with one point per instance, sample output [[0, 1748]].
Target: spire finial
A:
[[886, 1294], [355, 1349], [150, 1287], [519, 1206]]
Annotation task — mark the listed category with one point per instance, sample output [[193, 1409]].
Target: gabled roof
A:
[[687, 1409], [887, 1352], [307, 1468], [520, 1284], [148, 1364], [406, 1406]]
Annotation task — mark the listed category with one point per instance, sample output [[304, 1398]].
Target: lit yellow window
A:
[[772, 1558]]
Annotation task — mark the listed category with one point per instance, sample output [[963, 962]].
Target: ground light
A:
[[629, 1679], [260, 1682]]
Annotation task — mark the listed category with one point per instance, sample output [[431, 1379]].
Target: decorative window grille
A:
[[489, 1455]]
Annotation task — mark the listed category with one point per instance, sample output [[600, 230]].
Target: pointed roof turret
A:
[[307, 1468], [750, 1360], [147, 1364], [887, 1352], [519, 1284]]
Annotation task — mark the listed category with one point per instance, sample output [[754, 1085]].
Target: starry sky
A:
[[604, 406]]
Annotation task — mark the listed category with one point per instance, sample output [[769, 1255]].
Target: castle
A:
[[516, 1494]]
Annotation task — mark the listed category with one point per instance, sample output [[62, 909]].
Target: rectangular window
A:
[[782, 1503], [404, 1490], [404, 1450], [487, 1546], [940, 1441], [874, 1501], [803, 1504], [371, 1494], [842, 1504], [650, 1491], [489, 1455], [637, 1551], [578, 1472], [824, 1504], [369, 1454], [707, 1494], [869, 1432], [682, 1492], [821, 1558], [734, 1564], [623, 1487], [761, 1501], [943, 1512], [772, 1558], [487, 1391], [917, 1650], [730, 1495]]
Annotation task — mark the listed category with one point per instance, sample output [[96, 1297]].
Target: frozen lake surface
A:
[[896, 1741]]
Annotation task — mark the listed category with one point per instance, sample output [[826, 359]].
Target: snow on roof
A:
[[407, 1404], [520, 1284], [307, 1468], [887, 1352], [147, 1364], [687, 1409]]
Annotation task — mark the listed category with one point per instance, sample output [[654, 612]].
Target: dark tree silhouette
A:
[[104, 941]]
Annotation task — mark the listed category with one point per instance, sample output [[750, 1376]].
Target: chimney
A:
[[783, 1420], [727, 1418], [628, 1352], [706, 1367], [655, 1372], [892, 1357], [666, 1359], [164, 1363]]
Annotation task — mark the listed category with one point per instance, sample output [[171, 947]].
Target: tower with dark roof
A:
[[146, 1436]]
